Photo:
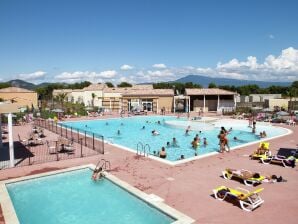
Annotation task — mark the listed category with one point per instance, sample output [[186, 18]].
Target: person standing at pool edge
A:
[[163, 153]]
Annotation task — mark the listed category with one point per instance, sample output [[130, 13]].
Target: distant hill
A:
[[27, 85], [22, 84], [204, 81], [197, 79]]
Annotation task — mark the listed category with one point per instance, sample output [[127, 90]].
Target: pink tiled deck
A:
[[190, 190]]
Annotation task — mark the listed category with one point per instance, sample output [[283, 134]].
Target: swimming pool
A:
[[72, 197], [131, 132]]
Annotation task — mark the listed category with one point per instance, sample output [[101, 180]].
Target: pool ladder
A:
[[143, 149], [104, 164]]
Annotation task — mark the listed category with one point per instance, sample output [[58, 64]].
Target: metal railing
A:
[[143, 150], [89, 139], [104, 164], [42, 152]]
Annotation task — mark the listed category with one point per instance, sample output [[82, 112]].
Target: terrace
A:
[[188, 187]]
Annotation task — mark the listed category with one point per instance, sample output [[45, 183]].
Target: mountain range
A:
[[204, 81], [197, 79]]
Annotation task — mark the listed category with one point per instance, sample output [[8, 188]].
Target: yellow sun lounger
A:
[[229, 174], [265, 155], [248, 200]]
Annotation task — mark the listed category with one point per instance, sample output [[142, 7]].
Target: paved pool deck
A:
[[188, 187]]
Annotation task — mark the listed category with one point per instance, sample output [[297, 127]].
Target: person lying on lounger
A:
[[245, 174]]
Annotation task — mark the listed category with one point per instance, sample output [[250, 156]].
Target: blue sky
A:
[[156, 40]]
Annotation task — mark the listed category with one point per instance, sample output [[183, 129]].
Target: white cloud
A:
[[281, 68], [106, 74], [33, 76], [271, 36], [82, 76], [159, 66], [126, 67]]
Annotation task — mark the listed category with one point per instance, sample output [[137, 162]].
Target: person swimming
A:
[[195, 143], [186, 132], [168, 144], [238, 140], [154, 132], [205, 141], [118, 132], [175, 143]]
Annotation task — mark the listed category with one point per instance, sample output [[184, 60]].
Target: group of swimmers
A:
[[263, 134]]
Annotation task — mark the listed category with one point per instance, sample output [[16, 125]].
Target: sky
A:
[[148, 40]]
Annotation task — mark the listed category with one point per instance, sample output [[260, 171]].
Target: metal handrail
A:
[[141, 149], [147, 152], [104, 165]]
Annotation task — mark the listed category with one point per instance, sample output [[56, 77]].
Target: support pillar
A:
[[1, 144], [217, 102], [188, 104], [174, 105], [204, 104], [157, 106], [10, 139]]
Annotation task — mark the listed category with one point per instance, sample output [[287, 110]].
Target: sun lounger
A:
[[248, 200], [264, 155], [286, 157], [51, 148], [24, 141], [240, 174]]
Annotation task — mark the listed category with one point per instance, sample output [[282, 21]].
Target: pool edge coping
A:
[[10, 215]]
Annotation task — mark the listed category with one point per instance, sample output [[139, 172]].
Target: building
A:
[[89, 96], [253, 98], [280, 103], [212, 99], [142, 97], [124, 98], [21, 97], [148, 99]]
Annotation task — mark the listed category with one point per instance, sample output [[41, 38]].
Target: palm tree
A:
[[61, 99], [93, 95]]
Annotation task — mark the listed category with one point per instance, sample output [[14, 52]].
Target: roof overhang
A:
[[9, 108]]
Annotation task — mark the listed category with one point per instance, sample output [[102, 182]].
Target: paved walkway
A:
[[188, 187]]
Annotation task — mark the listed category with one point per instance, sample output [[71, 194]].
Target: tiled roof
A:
[[15, 90], [211, 91], [94, 87], [149, 92], [114, 90]]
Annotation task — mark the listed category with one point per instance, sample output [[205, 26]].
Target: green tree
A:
[[61, 99], [212, 85], [124, 84], [93, 95], [109, 84], [4, 85], [295, 84]]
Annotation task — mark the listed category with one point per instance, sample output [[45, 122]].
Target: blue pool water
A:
[[131, 133], [73, 198]]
